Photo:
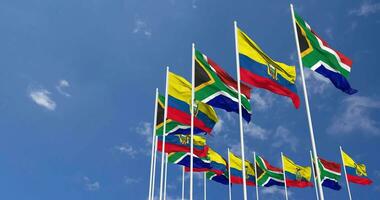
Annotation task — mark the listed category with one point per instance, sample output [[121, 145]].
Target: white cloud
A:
[[356, 115], [218, 126], [262, 100], [283, 137], [256, 131], [127, 149], [274, 191], [366, 8], [142, 27], [91, 185], [62, 84], [194, 4], [129, 180], [41, 97], [329, 32], [316, 83], [145, 129]]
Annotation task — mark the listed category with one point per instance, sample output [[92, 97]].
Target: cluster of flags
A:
[[186, 115]]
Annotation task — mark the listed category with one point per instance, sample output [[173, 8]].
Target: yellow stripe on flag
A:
[[215, 157], [236, 163], [250, 49], [349, 162], [295, 169]]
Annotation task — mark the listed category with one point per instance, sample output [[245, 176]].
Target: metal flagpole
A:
[[204, 186], [229, 176], [283, 171], [183, 183], [153, 145], [240, 113], [257, 184], [164, 133], [307, 103], [315, 180], [154, 167], [192, 119], [166, 174], [345, 173]]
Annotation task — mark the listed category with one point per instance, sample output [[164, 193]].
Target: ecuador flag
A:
[[296, 175], [259, 70], [236, 171], [179, 101], [181, 143], [356, 173]]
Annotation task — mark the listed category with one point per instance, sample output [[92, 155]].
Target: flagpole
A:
[[345, 173], [164, 133], [183, 183], [153, 145], [307, 104], [283, 172], [315, 180], [204, 186], [154, 166], [240, 113], [257, 184], [229, 176], [166, 174], [192, 119]]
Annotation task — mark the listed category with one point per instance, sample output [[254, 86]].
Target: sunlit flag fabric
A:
[[183, 158], [217, 88], [259, 70], [296, 175], [236, 171], [320, 57], [172, 127], [356, 173], [181, 143], [217, 178], [179, 101], [218, 164], [330, 174], [267, 175]]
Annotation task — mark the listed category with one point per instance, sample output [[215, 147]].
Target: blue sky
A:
[[78, 78]]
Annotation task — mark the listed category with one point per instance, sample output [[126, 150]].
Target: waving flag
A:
[[267, 175], [296, 175], [356, 173], [217, 88], [259, 70], [183, 158], [172, 127], [179, 102], [236, 171], [218, 164], [320, 57], [330, 174], [217, 178], [181, 143]]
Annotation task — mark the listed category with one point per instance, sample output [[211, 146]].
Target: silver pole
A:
[[151, 184], [315, 180], [283, 171], [192, 119], [345, 173], [256, 183], [229, 176]]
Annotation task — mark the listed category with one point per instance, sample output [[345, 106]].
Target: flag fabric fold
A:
[[356, 173], [318, 56], [296, 175], [181, 143], [236, 171], [330, 174], [219, 178], [217, 88], [179, 101], [218, 164], [259, 70], [268, 175]]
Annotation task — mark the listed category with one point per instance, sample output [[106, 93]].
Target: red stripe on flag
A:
[[170, 148], [335, 167], [359, 180], [298, 184], [185, 118]]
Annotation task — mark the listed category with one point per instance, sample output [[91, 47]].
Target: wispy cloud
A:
[[130, 180], [256, 131], [42, 98], [274, 191], [145, 129], [283, 137], [218, 126], [356, 115], [366, 8], [194, 4], [329, 33], [91, 185], [317, 84], [62, 85], [262, 100], [142, 28], [127, 149]]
